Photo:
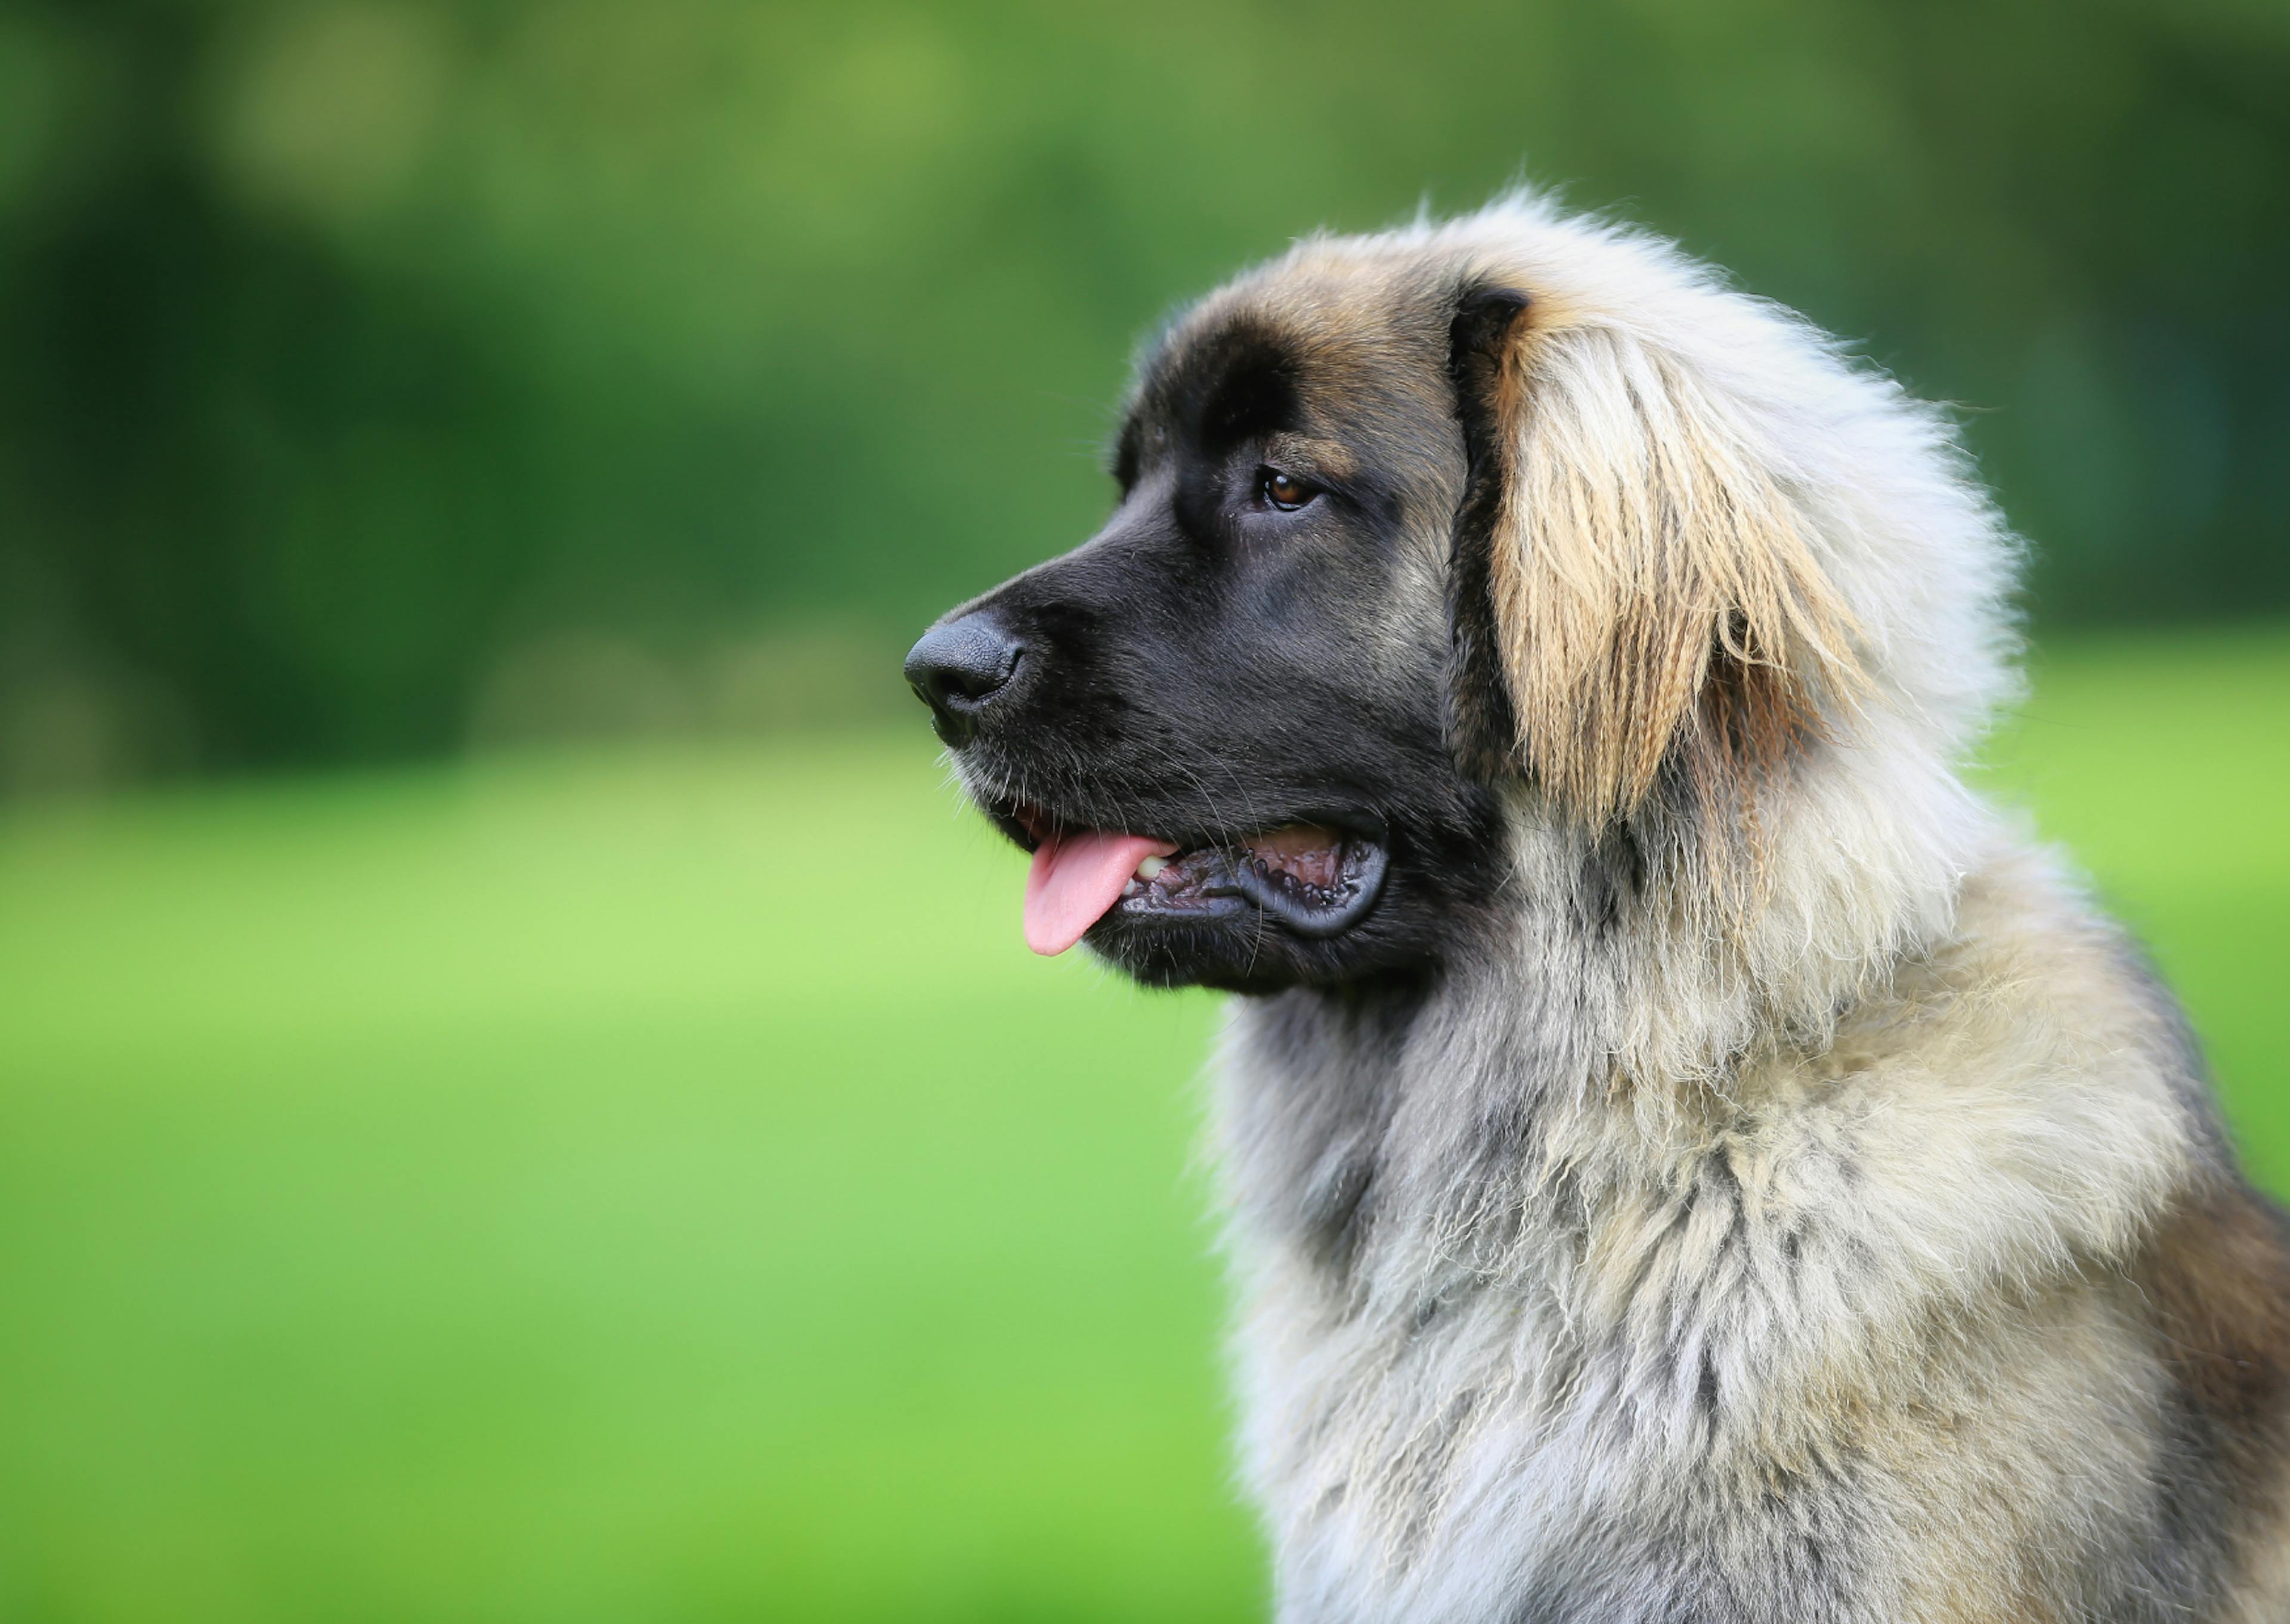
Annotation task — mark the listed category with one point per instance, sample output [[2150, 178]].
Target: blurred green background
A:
[[520, 1094]]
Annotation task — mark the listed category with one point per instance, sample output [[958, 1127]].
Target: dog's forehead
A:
[[1325, 343]]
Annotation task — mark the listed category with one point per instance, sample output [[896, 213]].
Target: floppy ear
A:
[[1631, 588]]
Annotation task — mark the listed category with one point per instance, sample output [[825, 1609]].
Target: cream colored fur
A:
[[1764, 1255]]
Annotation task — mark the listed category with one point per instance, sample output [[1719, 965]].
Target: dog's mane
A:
[[1701, 478]]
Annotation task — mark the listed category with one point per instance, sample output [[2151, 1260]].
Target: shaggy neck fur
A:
[[1618, 994], [1670, 1214]]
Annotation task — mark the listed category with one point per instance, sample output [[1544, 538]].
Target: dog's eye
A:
[[1283, 490]]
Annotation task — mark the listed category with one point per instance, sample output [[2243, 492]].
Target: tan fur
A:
[[1639, 544], [1872, 1253]]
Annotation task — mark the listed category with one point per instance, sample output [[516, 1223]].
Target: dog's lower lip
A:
[[1316, 880]]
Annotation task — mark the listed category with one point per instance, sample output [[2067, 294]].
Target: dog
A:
[[1687, 1159]]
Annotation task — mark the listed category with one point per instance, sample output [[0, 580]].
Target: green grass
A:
[[661, 1187]]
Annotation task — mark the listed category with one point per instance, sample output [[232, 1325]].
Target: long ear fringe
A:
[[1654, 590]]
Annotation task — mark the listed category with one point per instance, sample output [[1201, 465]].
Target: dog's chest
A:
[[1442, 1441], [1449, 1395], [1499, 1341]]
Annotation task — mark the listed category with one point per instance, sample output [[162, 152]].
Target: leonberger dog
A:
[[1687, 1158]]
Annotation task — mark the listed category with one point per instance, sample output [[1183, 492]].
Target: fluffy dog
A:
[[1687, 1158]]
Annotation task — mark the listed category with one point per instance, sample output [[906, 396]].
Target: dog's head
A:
[[1418, 537]]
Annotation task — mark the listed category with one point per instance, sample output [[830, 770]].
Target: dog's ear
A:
[[1631, 586]]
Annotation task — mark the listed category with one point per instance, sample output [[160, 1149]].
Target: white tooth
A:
[[1130, 888], [1151, 867]]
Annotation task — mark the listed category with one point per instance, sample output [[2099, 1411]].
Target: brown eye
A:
[[1285, 492]]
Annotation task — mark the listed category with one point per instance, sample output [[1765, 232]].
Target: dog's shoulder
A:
[[2036, 1068], [2032, 1049]]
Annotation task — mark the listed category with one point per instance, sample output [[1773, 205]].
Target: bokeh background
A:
[[520, 1095]]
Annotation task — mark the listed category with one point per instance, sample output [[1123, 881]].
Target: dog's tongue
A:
[[1075, 878]]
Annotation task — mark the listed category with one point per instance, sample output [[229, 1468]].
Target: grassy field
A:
[[661, 1187]]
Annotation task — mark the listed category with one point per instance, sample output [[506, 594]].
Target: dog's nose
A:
[[957, 668]]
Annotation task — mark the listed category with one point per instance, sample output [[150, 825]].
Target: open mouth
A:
[[1312, 878]]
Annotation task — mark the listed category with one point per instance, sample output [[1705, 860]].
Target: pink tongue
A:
[[1075, 878]]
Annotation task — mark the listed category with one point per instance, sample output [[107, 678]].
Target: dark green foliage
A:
[[349, 347]]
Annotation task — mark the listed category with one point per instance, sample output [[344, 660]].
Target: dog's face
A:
[[1403, 554], [1219, 724]]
